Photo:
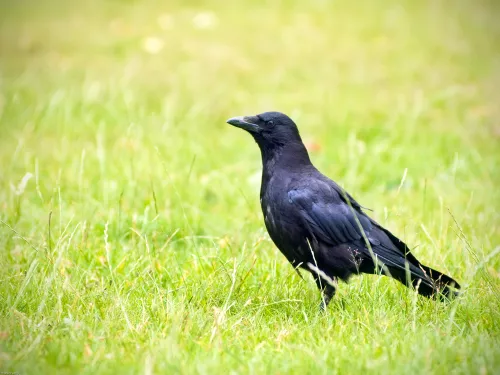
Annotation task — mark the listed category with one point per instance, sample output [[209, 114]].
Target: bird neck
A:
[[290, 157]]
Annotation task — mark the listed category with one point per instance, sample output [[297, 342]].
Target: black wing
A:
[[332, 221], [328, 217]]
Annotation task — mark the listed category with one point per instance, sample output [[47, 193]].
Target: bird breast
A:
[[269, 217]]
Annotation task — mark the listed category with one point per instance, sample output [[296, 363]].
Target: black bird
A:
[[318, 226]]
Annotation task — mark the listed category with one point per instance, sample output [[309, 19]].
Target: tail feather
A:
[[442, 283], [427, 281]]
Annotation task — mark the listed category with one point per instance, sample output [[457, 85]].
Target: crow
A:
[[321, 228]]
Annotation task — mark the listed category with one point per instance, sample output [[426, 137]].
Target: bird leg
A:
[[327, 290], [328, 294]]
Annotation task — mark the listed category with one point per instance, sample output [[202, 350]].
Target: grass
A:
[[137, 245]]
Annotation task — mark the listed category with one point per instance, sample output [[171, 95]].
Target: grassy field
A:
[[131, 236]]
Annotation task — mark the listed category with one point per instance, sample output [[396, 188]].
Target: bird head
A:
[[269, 129]]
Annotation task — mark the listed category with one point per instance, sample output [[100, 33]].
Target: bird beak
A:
[[247, 123]]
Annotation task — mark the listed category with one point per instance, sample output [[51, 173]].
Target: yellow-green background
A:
[[137, 245]]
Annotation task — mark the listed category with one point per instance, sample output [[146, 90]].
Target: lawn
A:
[[131, 235]]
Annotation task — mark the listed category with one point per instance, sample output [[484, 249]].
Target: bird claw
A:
[[325, 300]]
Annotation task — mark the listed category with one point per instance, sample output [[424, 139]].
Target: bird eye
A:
[[270, 123]]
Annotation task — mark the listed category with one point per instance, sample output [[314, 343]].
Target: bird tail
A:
[[427, 281]]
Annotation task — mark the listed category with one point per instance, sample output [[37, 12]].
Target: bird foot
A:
[[325, 300]]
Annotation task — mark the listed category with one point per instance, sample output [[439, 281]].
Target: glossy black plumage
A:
[[320, 227]]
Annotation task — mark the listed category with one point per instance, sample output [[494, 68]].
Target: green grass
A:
[[138, 244]]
